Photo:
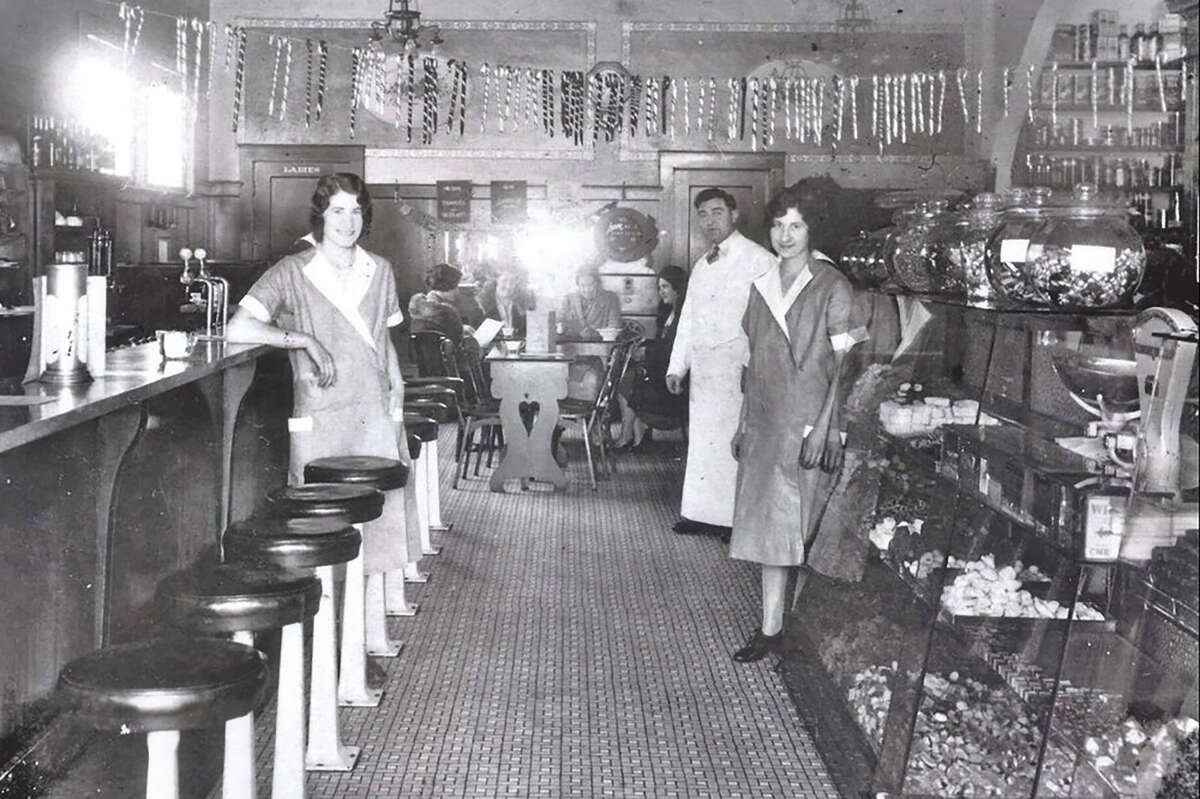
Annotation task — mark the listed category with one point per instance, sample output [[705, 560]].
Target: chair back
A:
[[618, 361], [428, 348], [470, 369]]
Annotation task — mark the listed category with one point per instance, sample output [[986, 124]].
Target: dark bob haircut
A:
[[714, 193], [811, 205], [330, 185], [442, 277]]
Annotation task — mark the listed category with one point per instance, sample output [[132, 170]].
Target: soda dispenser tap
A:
[[216, 311], [185, 255]]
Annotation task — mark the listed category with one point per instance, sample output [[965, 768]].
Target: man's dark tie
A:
[[714, 254]]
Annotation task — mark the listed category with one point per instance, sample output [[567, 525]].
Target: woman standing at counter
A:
[[789, 442], [331, 307]]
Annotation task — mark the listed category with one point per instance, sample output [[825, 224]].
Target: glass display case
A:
[[998, 642]]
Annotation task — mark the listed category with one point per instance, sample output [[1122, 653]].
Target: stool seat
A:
[[356, 504], [292, 543], [384, 474], [414, 446], [442, 394], [455, 383], [238, 597], [164, 684], [421, 425], [437, 411]]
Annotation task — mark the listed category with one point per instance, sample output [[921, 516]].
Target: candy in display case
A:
[[1003, 641]]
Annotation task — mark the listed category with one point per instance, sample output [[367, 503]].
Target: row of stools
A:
[[275, 573]]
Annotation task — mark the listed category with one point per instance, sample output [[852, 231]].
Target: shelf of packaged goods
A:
[[1170, 67], [1086, 108], [1120, 152]]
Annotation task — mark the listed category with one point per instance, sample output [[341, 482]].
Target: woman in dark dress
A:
[[643, 395]]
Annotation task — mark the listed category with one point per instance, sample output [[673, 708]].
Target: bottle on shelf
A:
[[1137, 41], [1154, 42]]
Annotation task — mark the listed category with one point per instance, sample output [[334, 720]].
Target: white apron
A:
[[711, 347]]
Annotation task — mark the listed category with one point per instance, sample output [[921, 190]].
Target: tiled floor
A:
[[570, 645]]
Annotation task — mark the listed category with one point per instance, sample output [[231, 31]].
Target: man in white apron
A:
[[711, 347]]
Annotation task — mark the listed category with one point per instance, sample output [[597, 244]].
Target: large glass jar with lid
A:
[[1006, 249], [1086, 254], [908, 254], [957, 245], [863, 258]]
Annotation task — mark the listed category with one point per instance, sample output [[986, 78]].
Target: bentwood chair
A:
[[593, 418], [482, 411]]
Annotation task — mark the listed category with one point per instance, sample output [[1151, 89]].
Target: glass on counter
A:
[[1086, 254], [908, 255], [1005, 251], [957, 261]]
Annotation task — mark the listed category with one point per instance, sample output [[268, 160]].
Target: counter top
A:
[[132, 375]]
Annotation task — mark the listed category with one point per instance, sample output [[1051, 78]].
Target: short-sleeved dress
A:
[[350, 316], [792, 339]]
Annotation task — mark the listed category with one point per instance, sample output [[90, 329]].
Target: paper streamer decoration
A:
[[239, 77]]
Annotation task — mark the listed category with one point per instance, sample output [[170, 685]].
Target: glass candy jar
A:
[[957, 244], [909, 249], [1006, 249], [1086, 255], [863, 258]]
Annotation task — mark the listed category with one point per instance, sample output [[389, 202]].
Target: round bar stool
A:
[[242, 598], [317, 544], [363, 602], [162, 686], [425, 467], [355, 504], [440, 414]]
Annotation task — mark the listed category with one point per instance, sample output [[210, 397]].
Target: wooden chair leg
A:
[[587, 447]]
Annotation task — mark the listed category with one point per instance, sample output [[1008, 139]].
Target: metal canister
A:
[[65, 325]]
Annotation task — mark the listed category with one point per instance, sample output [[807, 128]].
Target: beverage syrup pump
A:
[[212, 296]]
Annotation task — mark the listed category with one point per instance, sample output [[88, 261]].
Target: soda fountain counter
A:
[[1026, 621], [106, 487]]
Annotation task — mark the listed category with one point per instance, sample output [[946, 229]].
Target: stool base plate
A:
[[431, 550], [409, 609], [393, 649], [441, 528], [346, 760], [371, 698]]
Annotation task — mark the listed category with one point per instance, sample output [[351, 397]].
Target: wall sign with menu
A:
[[454, 201], [508, 201]]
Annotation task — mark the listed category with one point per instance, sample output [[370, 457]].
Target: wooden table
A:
[[529, 387]]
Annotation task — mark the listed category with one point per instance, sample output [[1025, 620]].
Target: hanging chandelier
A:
[[402, 25]]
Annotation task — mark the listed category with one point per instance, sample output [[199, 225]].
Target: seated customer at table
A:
[[643, 396], [512, 301], [436, 309], [588, 309]]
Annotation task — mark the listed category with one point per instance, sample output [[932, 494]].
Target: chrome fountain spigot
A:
[[185, 255], [217, 301]]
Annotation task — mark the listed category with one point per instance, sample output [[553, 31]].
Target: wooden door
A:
[[752, 179], [277, 186]]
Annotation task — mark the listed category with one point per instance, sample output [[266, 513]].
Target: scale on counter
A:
[[1139, 398]]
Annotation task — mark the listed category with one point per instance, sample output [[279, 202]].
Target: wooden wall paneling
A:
[[754, 176], [278, 182]]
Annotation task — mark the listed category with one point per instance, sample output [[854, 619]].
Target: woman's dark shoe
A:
[[643, 446], [623, 446], [759, 647]]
